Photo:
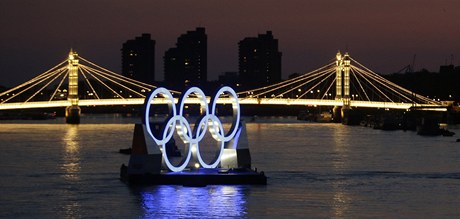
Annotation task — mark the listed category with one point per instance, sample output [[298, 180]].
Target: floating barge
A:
[[144, 168], [149, 162], [197, 177]]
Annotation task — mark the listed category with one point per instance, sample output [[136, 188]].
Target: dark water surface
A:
[[315, 171]]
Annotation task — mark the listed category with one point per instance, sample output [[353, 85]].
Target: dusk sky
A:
[[35, 35]]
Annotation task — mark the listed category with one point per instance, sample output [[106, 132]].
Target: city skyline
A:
[[186, 63], [259, 61], [383, 35], [138, 58]]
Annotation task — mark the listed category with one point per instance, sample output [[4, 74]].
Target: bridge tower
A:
[[72, 112], [346, 81], [338, 76], [342, 83]]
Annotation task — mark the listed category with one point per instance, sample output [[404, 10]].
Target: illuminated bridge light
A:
[[372, 89]]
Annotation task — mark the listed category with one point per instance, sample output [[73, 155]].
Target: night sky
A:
[[383, 35]]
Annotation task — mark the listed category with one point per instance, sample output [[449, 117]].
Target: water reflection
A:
[[341, 201], [194, 202], [341, 148], [71, 158], [71, 172], [341, 198]]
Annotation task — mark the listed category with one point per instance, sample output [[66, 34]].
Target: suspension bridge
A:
[[343, 82]]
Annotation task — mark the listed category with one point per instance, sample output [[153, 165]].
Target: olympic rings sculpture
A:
[[207, 122]]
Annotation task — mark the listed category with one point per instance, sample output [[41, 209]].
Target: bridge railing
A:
[[36, 104], [222, 100]]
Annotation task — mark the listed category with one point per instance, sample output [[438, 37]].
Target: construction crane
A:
[[408, 68]]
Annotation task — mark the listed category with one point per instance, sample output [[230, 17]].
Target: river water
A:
[[49, 169]]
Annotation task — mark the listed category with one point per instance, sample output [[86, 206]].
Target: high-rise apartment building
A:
[[259, 61], [186, 64], [138, 59]]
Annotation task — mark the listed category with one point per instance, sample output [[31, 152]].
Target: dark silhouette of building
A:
[[259, 61], [229, 79], [138, 59], [441, 85], [446, 69], [186, 64]]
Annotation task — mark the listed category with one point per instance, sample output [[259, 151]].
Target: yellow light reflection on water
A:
[[71, 159], [341, 161], [71, 169]]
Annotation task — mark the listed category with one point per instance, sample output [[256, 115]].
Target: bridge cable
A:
[[44, 86], [115, 82], [89, 83], [59, 85]]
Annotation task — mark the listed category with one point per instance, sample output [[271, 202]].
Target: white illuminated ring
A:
[[184, 162], [146, 120], [204, 109], [214, 126], [207, 122], [235, 109]]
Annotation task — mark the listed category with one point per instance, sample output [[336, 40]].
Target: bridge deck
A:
[[252, 101]]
